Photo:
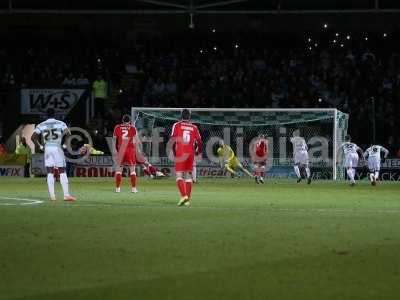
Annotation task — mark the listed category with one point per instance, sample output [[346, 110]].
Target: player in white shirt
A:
[[300, 156], [52, 131], [373, 155], [350, 151]]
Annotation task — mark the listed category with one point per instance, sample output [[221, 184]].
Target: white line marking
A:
[[270, 209], [25, 201], [172, 206]]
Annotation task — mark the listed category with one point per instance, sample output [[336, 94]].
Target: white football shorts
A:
[[54, 157], [351, 160], [301, 158], [374, 164]]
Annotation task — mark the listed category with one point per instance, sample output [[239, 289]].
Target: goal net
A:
[[323, 129]]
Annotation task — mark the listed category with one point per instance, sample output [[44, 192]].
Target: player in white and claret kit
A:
[[373, 156], [350, 151], [52, 131], [300, 156]]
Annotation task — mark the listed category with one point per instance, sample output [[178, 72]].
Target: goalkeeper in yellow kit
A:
[[228, 159]]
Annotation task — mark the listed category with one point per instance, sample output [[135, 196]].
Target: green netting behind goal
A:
[[323, 130]]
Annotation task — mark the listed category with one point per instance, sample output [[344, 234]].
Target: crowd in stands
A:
[[53, 66], [220, 73], [350, 78]]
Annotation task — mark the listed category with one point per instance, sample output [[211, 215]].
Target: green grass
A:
[[239, 240]]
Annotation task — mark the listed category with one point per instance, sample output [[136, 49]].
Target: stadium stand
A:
[[250, 72]]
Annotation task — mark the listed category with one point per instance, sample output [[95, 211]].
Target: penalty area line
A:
[[20, 201]]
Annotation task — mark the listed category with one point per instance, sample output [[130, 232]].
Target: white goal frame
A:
[[328, 110]]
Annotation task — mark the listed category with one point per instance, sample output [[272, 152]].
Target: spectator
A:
[[3, 150], [1, 119], [262, 74], [171, 87], [100, 94], [158, 87], [69, 80], [24, 149], [82, 80]]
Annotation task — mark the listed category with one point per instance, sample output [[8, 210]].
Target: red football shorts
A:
[[184, 162], [129, 158]]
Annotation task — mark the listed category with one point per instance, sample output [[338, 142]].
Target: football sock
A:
[[133, 179], [350, 174], [297, 171], [308, 172], [371, 176], [56, 174], [354, 173], [188, 187], [181, 186], [376, 175], [64, 183], [118, 179], [50, 184]]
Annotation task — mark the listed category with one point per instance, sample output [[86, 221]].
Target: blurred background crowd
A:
[[356, 72]]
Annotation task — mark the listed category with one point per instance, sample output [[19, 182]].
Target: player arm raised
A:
[[266, 146]]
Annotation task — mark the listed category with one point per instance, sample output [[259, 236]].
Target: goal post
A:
[[323, 129]]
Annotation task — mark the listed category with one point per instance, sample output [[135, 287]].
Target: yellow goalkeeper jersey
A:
[[92, 150], [226, 154]]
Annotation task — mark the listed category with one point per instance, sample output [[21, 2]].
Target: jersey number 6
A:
[[186, 136]]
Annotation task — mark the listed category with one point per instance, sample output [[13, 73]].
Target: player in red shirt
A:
[[125, 146], [259, 155], [187, 143]]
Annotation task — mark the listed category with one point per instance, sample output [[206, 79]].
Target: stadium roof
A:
[[198, 6]]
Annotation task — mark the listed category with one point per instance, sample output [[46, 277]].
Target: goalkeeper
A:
[[87, 148], [228, 159]]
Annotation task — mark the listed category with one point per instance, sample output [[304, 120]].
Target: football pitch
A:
[[238, 240]]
